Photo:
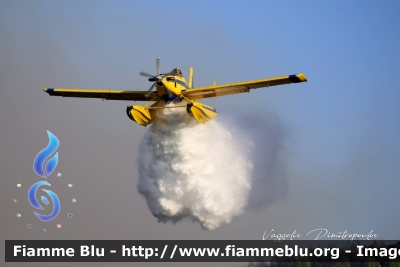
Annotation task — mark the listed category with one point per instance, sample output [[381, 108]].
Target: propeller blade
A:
[[142, 73], [158, 65], [148, 91]]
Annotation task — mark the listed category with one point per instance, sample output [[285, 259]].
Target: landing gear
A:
[[139, 114], [201, 112]]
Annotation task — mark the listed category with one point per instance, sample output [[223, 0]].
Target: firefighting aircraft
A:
[[172, 88]]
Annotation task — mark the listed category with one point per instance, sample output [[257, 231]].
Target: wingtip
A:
[[48, 90], [302, 77], [298, 78]]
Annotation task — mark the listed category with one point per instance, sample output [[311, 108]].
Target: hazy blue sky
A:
[[340, 130]]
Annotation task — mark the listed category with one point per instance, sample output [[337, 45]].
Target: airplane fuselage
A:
[[171, 87]]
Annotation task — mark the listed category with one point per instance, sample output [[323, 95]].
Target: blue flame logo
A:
[[44, 154], [54, 198], [44, 171]]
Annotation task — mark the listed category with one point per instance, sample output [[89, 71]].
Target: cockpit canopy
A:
[[176, 71]]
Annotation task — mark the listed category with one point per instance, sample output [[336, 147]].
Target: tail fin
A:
[[191, 77]]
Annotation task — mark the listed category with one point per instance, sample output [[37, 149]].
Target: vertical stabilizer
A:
[[191, 77]]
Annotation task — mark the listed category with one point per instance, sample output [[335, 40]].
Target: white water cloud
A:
[[194, 170]]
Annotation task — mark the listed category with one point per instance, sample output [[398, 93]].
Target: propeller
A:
[[153, 78]]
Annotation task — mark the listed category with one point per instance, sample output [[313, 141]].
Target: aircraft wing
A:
[[241, 87], [103, 94]]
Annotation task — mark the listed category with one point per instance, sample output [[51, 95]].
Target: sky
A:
[[337, 135]]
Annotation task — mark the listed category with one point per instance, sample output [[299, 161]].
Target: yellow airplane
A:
[[172, 88]]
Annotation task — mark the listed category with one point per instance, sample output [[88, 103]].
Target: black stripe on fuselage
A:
[[181, 83]]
